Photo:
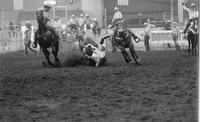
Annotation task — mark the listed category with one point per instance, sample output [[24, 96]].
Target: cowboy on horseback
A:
[[193, 14], [118, 23], [117, 16], [122, 38], [44, 20]]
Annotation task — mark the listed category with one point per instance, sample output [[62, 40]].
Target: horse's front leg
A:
[[133, 53], [126, 56], [46, 53], [54, 51], [189, 45]]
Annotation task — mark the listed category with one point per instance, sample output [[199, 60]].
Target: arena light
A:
[[52, 2]]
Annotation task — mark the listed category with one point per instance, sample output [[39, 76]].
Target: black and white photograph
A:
[[99, 60]]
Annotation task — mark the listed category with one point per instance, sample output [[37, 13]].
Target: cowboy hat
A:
[[73, 15], [116, 8], [193, 5], [47, 5]]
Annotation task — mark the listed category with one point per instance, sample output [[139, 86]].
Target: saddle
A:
[[44, 35], [120, 36]]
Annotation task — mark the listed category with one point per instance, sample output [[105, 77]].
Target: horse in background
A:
[[193, 37]]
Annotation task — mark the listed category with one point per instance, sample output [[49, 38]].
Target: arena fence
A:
[[164, 39], [10, 41], [159, 40]]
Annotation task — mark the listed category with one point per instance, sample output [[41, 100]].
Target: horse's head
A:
[[39, 17]]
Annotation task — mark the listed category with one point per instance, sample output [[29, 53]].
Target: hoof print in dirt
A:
[[138, 64], [56, 64], [45, 64]]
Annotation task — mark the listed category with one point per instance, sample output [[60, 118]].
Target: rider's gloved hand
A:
[[110, 26], [137, 40]]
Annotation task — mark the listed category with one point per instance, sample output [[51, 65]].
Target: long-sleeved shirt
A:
[[81, 21], [175, 32], [87, 21], [148, 29], [72, 21], [192, 14], [58, 25], [117, 15], [27, 36]]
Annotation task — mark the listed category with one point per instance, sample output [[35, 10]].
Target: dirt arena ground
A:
[[163, 89]]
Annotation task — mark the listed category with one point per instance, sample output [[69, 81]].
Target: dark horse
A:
[[46, 40], [192, 36], [123, 40]]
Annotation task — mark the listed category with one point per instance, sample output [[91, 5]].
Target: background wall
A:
[[96, 7]]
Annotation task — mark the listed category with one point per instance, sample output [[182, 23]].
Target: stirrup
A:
[[34, 45]]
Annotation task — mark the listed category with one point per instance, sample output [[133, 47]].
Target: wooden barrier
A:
[[10, 42]]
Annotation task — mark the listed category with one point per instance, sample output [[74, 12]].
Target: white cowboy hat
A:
[[47, 5], [73, 15], [116, 8], [193, 5]]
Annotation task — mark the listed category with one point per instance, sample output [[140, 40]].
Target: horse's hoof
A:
[[138, 59], [56, 64], [45, 64], [131, 62]]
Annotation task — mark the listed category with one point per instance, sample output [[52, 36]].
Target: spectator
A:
[[72, 23], [28, 25], [87, 22], [96, 29], [147, 34], [81, 21], [57, 24], [175, 34], [168, 25], [11, 27]]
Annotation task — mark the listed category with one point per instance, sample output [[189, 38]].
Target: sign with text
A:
[[18, 4]]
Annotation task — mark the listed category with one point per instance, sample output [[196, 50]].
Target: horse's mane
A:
[[194, 27]]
